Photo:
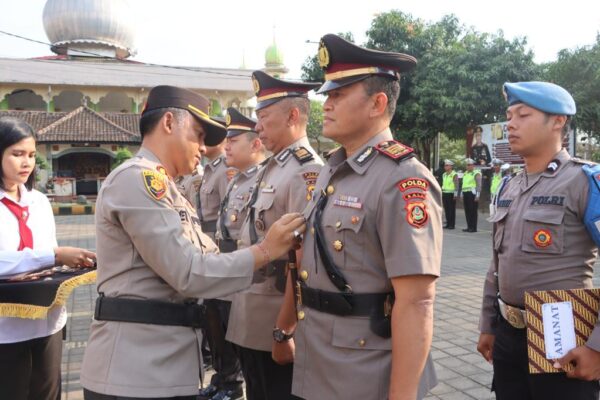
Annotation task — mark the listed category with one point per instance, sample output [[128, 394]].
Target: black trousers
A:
[[30, 370], [512, 380], [89, 395], [228, 371], [265, 379], [449, 208], [470, 210]]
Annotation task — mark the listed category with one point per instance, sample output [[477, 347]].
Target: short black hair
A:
[[149, 120], [12, 131], [390, 87]]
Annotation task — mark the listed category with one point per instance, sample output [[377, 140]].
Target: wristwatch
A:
[[280, 336]]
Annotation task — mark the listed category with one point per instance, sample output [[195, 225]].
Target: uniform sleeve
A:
[[488, 311], [300, 186], [155, 230], [409, 221]]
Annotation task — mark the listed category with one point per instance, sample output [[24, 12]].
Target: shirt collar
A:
[[284, 155], [363, 158], [26, 197]]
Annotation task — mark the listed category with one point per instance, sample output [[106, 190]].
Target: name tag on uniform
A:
[[559, 329]]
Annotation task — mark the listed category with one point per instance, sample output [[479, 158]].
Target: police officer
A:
[[449, 193], [495, 183], [243, 151], [471, 189], [540, 242], [189, 185], [284, 184], [154, 262], [480, 151], [375, 235], [212, 189]]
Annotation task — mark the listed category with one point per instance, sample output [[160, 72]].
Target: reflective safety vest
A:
[[469, 181], [448, 182], [496, 179]]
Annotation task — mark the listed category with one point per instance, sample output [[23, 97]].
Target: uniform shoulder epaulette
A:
[[395, 150], [303, 155], [330, 153], [581, 161]]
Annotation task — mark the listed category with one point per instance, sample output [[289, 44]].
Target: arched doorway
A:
[[86, 167]]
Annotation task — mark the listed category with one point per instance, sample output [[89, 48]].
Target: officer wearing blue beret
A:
[[540, 242]]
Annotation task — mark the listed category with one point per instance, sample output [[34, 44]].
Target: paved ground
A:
[[463, 374]]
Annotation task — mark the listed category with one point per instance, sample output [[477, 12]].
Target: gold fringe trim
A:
[[29, 311]]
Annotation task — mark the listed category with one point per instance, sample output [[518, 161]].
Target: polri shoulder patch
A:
[[394, 150], [303, 155], [155, 184]]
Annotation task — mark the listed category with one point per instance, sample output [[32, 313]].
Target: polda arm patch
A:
[[155, 184], [414, 193]]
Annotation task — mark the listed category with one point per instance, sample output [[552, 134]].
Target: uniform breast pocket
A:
[[345, 237], [355, 333], [209, 196], [263, 204], [543, 230], [499, 221]]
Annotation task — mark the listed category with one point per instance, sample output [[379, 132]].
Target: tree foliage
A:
[[314, 129], [578, 71], [123, 154]]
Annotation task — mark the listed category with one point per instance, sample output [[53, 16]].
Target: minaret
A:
[[274, 60]]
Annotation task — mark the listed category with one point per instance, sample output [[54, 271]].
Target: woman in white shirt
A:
[[30, 349]]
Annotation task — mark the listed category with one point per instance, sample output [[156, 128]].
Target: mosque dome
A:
[[273, 56], [101, 27]]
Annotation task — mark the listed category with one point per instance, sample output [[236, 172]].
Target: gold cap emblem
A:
[[256, 85], [228, 120], [323, 55]]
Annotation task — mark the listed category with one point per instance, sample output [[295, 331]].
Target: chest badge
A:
[[542, 238]]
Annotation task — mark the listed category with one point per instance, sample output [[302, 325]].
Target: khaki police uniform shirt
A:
[[382, 220], [285, 187], [212, 191], [539, 239], [189, 185], [235, 211], [149, 246]]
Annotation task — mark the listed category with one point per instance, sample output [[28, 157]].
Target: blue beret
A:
[[544, 96]]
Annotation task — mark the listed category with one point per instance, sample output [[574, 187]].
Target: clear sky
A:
[[213, 33]]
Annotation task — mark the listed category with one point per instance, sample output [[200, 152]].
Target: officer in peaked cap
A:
[[449, 193], [243, 152], [154, 261], [540, 242], [284, 183], [373, 251]]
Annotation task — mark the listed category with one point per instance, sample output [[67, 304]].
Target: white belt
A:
[[515, 316]]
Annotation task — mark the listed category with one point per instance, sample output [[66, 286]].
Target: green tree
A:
[[578, 71], [123, 154], [314, 129]]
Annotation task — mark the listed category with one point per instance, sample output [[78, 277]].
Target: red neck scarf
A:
[[22, 215]]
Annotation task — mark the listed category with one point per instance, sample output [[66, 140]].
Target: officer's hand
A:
[[284, 352], [586, 361], [280, 238], [486, 345], [74, 257]]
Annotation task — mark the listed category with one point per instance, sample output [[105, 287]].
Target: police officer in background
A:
[[189, 185], [212, 189], [540, 242], [372, 255], [283, 185], [471, 189], [243, 151], [449, 193], [154, 261], [495, 183]]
